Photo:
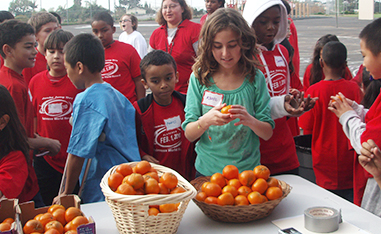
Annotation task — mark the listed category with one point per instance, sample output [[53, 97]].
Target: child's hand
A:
[[295, 92], [240, 112], [151, 159], [370, 158], [215, 117], [52, 145], [339, 105], [296, 105]]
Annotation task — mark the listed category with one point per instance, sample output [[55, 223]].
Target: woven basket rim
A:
[[149, 199]]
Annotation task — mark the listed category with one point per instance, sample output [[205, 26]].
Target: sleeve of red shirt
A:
[[13, 174], [195, 33], [139, 131]]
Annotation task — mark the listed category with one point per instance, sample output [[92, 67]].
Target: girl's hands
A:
[[215, 117], [240, 112], [340, 104], [370, 158]]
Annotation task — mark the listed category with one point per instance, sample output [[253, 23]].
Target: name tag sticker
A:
[[279, 61], [172, 123], [212, 99]]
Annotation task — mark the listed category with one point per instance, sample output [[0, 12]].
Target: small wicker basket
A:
[[131, 211], [237, 214]]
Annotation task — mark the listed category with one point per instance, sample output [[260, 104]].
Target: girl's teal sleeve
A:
[[261, 105]]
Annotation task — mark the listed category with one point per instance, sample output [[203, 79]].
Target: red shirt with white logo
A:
[[279, 152], [53, 105], [121, 67]]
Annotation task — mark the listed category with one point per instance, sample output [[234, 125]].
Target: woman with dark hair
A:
[[211, 6], [177, 36], [130, 35], [314, 72]]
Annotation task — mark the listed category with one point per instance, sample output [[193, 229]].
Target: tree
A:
[[77, 2], [129, 3], [22, 7]]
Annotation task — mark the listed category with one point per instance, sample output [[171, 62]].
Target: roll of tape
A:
[[322, 219]]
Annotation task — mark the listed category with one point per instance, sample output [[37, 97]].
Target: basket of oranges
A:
[[146, 198], [236, 197]]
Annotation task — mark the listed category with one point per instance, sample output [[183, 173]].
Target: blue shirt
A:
[[102, 109]]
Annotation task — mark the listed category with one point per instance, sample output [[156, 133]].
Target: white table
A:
[[303, 195]]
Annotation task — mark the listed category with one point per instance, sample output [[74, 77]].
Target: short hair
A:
[[5, 15], [222, 3], [87, 49], [371, 35], [57, 39], [56, 15], [40, 19], [12, 31], [187, 14], [335, 55], [222, 19], [104, 16], [134, 21], [156, 58]]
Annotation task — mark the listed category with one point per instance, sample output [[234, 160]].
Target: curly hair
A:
[[187, 14], [222, 19]]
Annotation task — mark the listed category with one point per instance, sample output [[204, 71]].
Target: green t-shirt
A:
[[228, 144]]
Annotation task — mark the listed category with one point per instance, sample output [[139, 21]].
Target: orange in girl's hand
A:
[[225, 109], [339, 97]]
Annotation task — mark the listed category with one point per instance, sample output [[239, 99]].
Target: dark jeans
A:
[[49, 180], [347, 194]]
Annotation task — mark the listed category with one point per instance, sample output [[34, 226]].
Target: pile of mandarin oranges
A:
[[245, 188], [57, 220], [6, 224], [143, 179]]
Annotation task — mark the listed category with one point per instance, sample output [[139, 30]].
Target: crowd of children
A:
[[71, 107]]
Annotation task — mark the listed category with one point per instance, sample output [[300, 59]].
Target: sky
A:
[[48, 4]]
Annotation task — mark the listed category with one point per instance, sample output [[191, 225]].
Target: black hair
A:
[[371, 88], [316, 70], [104, 16], [222, 3], [13, 136], [87, 49], [335, 55], [57, 38], [12, 31], [56, 15], [371, 35], [5, 15], [288, 7], [156, 58]]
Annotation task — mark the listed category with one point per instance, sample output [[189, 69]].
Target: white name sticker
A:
[[279, 61], [212, 99], [172, 123]]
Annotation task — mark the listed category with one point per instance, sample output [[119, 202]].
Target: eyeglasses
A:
[[125, 21], [170, 7]]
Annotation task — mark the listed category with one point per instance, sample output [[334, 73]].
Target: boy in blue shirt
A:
[[103, 120]]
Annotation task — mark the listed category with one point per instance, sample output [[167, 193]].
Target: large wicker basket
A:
[[131, 211], [237, 214]]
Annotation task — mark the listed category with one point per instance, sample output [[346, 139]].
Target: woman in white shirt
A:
[[129, 24]]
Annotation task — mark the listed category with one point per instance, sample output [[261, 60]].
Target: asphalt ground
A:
[[309, 31]]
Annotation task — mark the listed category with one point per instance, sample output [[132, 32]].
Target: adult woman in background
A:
[[129, 25], [177, 36]]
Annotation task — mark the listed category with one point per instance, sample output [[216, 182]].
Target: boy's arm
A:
[[370, 159], [73, 170], [52, 145], [139, 88]]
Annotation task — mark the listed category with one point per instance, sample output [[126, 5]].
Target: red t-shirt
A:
[[181, 49], [331, 154], [1, 61], [39, 66], [53, 106], [203, 19], [307, 75], [18, 89], [13, 174], [121, 67], [279, 152]]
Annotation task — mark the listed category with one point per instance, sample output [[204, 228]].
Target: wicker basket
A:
[[131, 211], [237, 214]]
